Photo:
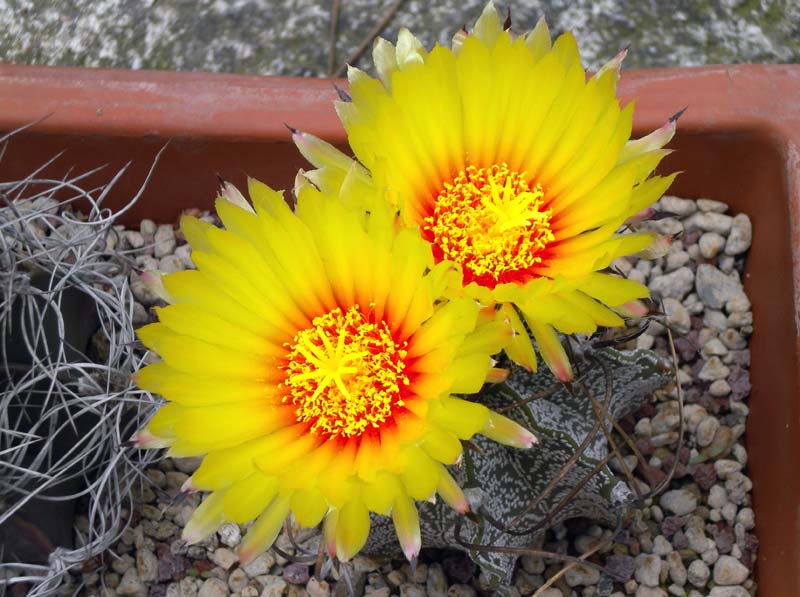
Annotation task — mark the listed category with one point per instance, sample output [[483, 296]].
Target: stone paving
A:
[[291, 37]]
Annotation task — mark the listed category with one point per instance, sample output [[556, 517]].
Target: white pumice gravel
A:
[[695, 539]]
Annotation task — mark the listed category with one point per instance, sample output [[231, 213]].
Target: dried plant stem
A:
[[580, 561], [536, 553], [65, 416], [374, 32], [334, 34], [553, 483]]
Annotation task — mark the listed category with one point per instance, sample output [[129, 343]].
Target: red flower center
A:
[[345, 374], [491, 222]]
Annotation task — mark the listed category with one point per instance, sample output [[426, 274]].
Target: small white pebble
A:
[[711, 243], [710, 205], [643, 427], [719, 388], [729, 512], [661, 545], [147, 227], [740, 452], [746, 517], [645, 342]]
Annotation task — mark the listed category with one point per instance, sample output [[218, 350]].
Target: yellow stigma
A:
[[345, 373], [490, 221]]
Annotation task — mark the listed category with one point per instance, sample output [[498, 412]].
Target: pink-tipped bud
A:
[[458, 39], [232, 195], [406, 524], [302, 180], [153, 279], [658, 248], [329, 532], [655, 140], [145, 439], [265, 529], [320, 153], [642, 216], [452, 494], [497, 375], [505, 431], [188, 486], [519, 348], [206, 519], [634, 309], [614, 64]]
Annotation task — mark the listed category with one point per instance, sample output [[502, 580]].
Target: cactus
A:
[[503, 481]]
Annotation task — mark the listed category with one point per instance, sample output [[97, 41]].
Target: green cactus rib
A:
[[504, 481]]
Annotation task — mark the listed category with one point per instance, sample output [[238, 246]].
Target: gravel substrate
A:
[[697, 538]]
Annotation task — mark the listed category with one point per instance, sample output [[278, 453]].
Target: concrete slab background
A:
[[291, 37]]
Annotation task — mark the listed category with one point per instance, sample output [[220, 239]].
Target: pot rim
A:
[[745, 102]]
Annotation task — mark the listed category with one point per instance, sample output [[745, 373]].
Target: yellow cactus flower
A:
[[513, 165], [310, 359]]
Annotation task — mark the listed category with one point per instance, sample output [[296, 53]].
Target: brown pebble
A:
[[739, 381], [740, 358], [723, 536], [296, 574], [679, 540], [203, 565], [686, 349], [653, 476], [672, 524], [170, 566], [459, 568], [646, 410], [645, 446], [704, 475]]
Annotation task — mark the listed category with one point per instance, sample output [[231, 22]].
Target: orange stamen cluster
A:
[[345, 374], [491, 222]]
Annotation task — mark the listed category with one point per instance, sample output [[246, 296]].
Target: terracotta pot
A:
[[739, 142]]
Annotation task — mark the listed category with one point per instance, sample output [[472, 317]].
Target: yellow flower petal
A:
[[462, 417], [208, 517], [329, 531], [248, 498], [470, 373], [221, 468], [612, 290], [309, 507], [409, 49], [163, 422], [192, 321], [442, 445], [451, 493], [551, 349], [538, 40], [406, 523], [655, 140], [385, 59], [265, 530], [193, 390], [379, 495], [421, 476], [352, 528], [194, 356], [519, 348], [274, 463]]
